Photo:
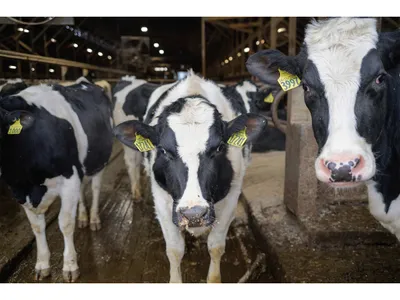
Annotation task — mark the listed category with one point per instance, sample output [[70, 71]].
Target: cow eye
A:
[[380, 79], [220, 148], [162, 150], [306, 88]]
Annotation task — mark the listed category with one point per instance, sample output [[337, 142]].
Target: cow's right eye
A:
[[306, 88]]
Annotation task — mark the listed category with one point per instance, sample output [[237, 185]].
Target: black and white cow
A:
[[66, 134], [246, 96], [351, 80], [131, 97], [11, 86], [196, 176]]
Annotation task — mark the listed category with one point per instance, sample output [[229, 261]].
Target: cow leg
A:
[[38, 224], [95, 223], [217, 239], [133, 161], [70, 193], [82, 213], [174, 240]]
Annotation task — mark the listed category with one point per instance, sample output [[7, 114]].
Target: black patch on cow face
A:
[[137, 100], [170, 171], [215, 170], [316, 102], [370, 107]]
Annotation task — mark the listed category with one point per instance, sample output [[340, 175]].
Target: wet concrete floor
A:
[[129, 247]]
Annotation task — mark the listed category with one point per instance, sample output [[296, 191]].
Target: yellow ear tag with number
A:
[[143, 144], [15, 128], [269, 98], [288, 81], [238, 138]]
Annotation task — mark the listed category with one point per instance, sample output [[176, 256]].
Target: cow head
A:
[[191, 160], [344, 67]]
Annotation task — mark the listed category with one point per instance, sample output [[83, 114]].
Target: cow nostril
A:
[[194, 213], [331, 165]]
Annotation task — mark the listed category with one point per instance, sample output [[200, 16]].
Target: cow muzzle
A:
[[196, 216], [343, 169]]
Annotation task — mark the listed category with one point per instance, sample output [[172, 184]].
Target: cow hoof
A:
[[83, 223], [95, 226], [214, 279], [42, 274], [71, 276], [137, 194]]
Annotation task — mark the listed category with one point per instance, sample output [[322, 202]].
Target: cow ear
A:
[[249, 126], [136, 135], [265, 65], [26, 118]]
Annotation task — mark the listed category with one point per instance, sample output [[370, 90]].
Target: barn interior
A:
[[289, 227]]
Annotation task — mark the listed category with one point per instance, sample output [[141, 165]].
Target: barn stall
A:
[[288, 226]]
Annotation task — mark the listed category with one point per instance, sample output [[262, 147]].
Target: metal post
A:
[[292, 36], [273, 32], [203, 46]]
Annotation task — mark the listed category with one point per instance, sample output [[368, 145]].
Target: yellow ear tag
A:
[[15, 128], [269, 98], [288, 81], [238, 138], [143, 144]]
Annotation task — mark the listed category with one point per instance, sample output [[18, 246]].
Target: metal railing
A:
[[58, 61]]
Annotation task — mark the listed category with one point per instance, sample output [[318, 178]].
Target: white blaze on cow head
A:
[[191, 161], [343, 68]]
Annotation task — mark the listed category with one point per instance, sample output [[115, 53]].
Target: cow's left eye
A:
[[380, 79]]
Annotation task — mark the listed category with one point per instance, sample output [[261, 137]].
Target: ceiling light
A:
[[12, 67], [156, 45], [109, 57], [144, 29], [75, 45], [51, 70], [20, 29], [33, 69], [53, 40], [226, 61], [239, 54], [262, 41], [26, 30], [161, 51], [100, 53], [258, 43], [282, 29], [247, 49], [89, 50], [230, 58]]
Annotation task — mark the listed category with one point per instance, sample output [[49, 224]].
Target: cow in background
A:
[[11, 86], [51, 137]]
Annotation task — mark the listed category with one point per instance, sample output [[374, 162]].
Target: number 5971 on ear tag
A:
[[238, 138], [288, 81], [143, 144]]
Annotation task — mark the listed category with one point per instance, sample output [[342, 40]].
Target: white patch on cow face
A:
[[243, 89], [44, 96], [337, 48], [191, 127]]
